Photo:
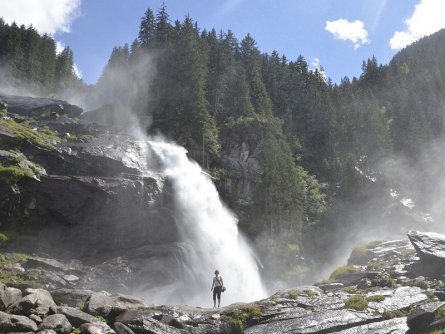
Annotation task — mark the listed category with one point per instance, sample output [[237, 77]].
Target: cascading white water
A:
[[209, 231]]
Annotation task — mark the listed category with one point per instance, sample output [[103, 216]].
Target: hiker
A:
[[217, 287]]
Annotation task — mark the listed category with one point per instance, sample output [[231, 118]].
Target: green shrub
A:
[[357, 302], [240, 319], [344, 270]]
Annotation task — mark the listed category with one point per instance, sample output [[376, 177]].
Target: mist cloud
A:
[[353, 31], [426, 19]]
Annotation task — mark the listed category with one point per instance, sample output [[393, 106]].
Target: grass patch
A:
[[292, 294], [357, 302], [376, 298], [45, 137], [393, 314], [350, 289], [311, 293], [12, 174], [344, 270], [242, 318]]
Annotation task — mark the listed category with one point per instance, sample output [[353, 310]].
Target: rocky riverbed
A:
[[381, 290]]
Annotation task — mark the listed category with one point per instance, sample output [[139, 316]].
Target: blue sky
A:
[[337, 35]]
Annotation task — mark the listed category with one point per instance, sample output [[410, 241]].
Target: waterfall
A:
[[210, 236]]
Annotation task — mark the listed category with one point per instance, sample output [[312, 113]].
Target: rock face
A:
[[75, 190], [430, 246]]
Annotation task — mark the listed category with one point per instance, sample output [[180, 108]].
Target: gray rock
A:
[[400, 298], [34, 106], [100, 303], [123, 302], [392, 326], [57, 322], [429, 246], [8, 296], [35, 301], [16, 323], [120, 328], [76, 317], [71, 297], [44, 263], [46, 331], [146, 324], [35, 318], [421, 318], [315, 322], [96, 328], [70, 278]]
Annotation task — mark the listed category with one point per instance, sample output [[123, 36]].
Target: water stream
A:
[[209, 233]]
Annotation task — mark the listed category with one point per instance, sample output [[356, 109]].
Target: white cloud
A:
[[352, 31], [59, 47], [46, 16], [428, 17]]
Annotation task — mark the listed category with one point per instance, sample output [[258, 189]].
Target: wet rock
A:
[[429, 246], [400, 298], [16, 323], [75, 316], [316, 322], [71, 297], [57, 322], [392, 326]]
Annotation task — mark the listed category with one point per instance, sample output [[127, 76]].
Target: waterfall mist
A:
[[210, 236]]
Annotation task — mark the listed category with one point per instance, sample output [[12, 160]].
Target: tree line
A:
[[317, 143], [27, 58]]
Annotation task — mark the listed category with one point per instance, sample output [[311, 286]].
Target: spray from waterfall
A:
[[210, 237]]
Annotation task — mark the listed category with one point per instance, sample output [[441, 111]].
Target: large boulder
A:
[[16, 323], [35, 301], [71, 297], [420, 319], [8, 296], [57, 322], [430, 246], [75, 316]]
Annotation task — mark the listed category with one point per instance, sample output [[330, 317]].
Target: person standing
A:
[[217, 287]]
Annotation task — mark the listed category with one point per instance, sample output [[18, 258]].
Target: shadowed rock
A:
[[37, 106]]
